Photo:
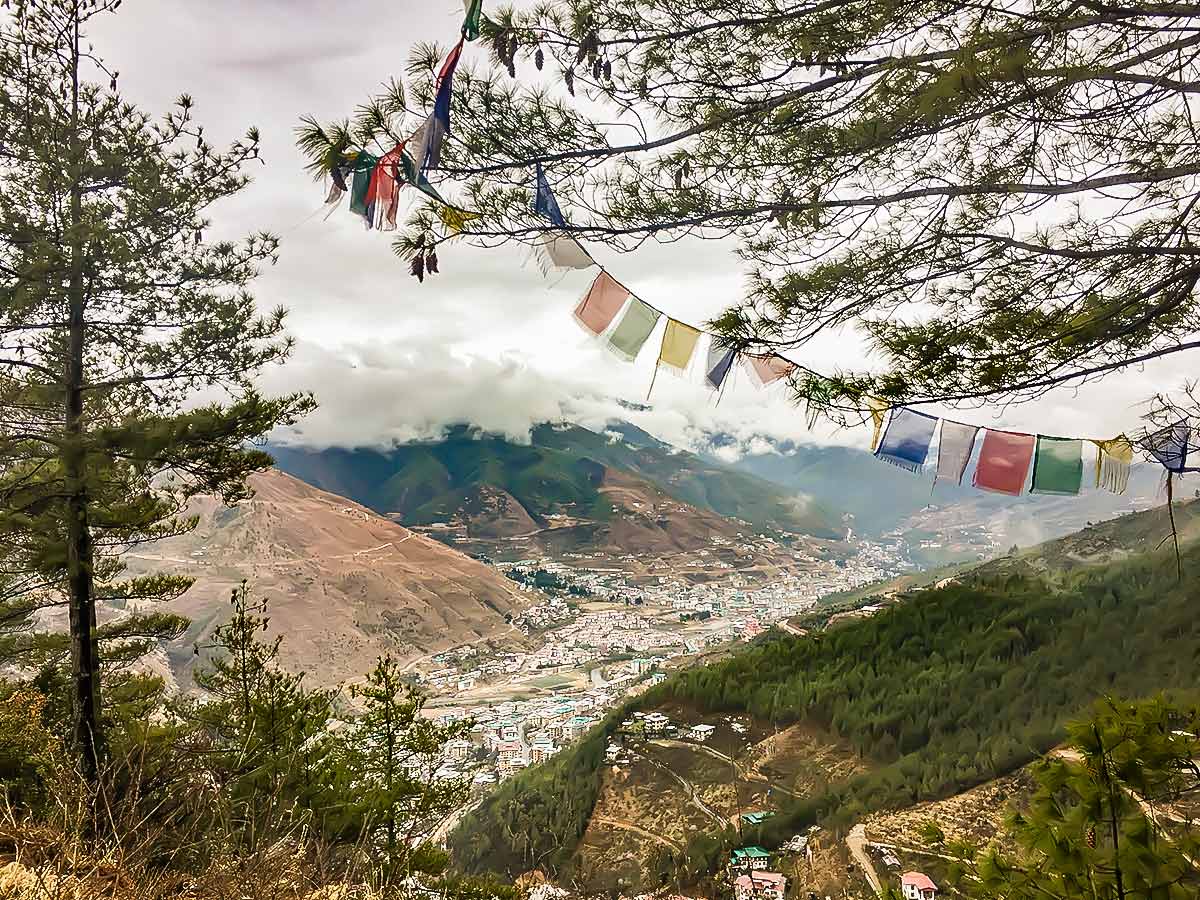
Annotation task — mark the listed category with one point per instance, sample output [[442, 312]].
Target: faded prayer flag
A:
[[601, 304], [878, 412], [633, 330], [906, 441], [1057, 466], [1169, 447], [678, 343], [720, 361], [544, 202], [769, 368], [360, 187], [1004, 462], [560, 252], [474, 10], [1113, 461], [954, 450]]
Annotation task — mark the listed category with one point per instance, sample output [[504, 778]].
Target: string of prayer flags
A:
[[1057, 466], [906, 441], [1169, 447], [1113, 461], [768, 368], [954, 451], [456, 219], [720, 361], [633, 329], [427, 150], [601, 304], [678, 343], [560, 253], [474, 10], [1004, 462], [544, 202]]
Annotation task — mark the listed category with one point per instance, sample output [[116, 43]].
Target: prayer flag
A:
[[954, 451], [1113, 461], [1169, 447], [769, 368], [633, 330], [470, 27], [456, 219], [678, 343], [364, 168], [878, 411], [544, 203], [601, 304], [414, 176], [907, 439], [427, 149], [1004, 462], [558, 252], [720, 361], [1057, 466], [383, 193]]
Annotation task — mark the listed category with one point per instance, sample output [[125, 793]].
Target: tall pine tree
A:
[[116, 316]]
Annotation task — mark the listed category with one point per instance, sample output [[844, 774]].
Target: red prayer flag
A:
[[1004, 461], [601, 304]]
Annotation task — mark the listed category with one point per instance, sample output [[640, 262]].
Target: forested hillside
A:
[[560, 470], [952, 687]]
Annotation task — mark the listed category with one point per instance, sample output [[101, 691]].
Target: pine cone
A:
[[431, 263], [417, 268], [597, 68], [569, 78], [539, 59], [607, 70], [679, 179]]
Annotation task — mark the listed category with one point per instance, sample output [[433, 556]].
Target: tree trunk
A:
[[82, 604]]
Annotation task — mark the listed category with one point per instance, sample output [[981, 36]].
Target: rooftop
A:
[[919, 880]]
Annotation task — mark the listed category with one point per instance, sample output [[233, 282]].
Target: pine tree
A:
[[116, 318], [264, 733], [393, 753], [1104, 821]]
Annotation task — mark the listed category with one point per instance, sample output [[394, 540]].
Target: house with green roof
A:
[[749, 858]]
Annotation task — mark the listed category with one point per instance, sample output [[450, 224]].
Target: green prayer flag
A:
[[633, 329], [364, 165], [470, 28], [1057, 466]]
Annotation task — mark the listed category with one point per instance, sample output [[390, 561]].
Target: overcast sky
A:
[[487, 341]]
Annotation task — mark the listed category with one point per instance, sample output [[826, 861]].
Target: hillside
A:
[[952, 687], [343, 583], [560, 472]]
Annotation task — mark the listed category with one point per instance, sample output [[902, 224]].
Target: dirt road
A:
[[856, 843], [637, 829]]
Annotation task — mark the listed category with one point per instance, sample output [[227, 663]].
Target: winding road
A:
[[856, 843]]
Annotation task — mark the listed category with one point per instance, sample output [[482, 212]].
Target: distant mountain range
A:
[[563, 483], [562, 472]]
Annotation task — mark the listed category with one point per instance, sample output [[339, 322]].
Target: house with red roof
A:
[[917, 886], [759, 885]]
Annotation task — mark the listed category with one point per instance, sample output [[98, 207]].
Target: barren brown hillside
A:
[[343, 583]]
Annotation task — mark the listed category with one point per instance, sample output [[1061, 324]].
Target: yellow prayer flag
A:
[[1112, 464], [678, 343], [878, 410], [456, 219]]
